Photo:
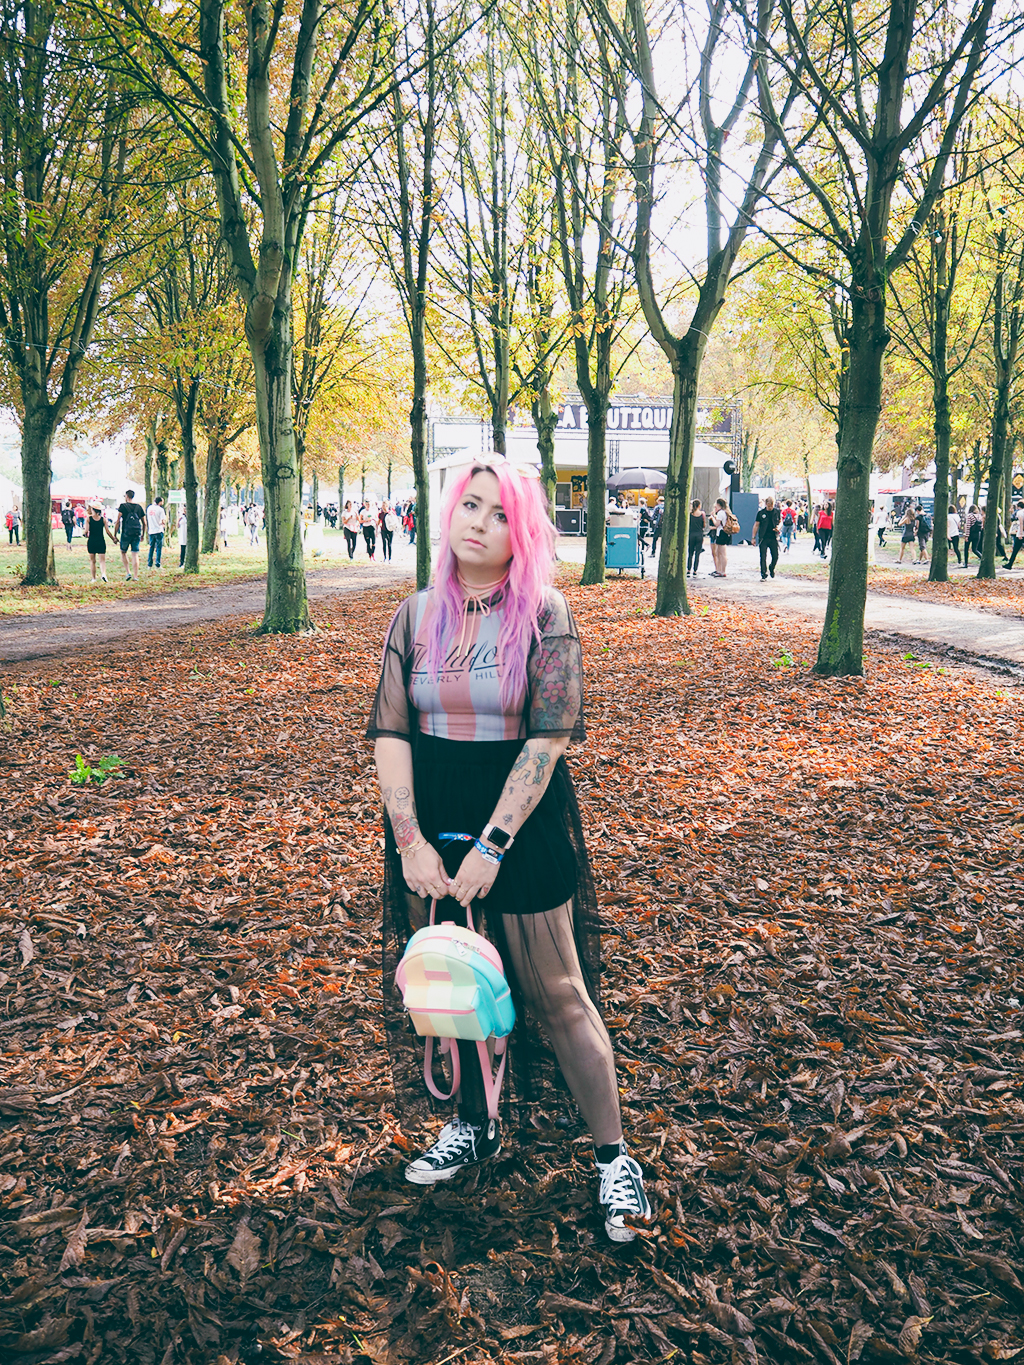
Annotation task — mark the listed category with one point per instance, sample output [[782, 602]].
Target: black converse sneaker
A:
[[622, 1196], [460, 1144]]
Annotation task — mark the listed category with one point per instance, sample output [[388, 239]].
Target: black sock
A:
[[607, 1154]]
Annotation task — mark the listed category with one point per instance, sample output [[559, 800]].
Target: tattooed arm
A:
[[422, 867], [527, 782], [524, 787]]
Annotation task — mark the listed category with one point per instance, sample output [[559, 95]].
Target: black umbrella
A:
[[637, 478]]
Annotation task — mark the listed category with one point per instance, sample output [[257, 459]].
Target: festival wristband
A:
[[489, 855]]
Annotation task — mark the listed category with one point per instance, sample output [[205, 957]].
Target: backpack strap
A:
[[428, 1057], [492, 1080]]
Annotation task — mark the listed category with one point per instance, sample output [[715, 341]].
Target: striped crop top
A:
[[464, 701]]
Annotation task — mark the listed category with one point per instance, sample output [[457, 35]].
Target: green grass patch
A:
[[239, 563]]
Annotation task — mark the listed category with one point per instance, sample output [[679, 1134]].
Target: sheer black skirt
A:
[[457, 786]]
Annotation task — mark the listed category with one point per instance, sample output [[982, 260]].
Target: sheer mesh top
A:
[[464, 701]]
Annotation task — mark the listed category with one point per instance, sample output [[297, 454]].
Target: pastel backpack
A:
[[454, 987]]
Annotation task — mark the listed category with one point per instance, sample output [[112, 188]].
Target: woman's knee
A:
[[562, 1002]]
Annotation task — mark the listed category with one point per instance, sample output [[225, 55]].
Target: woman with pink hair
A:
[[480, 693]]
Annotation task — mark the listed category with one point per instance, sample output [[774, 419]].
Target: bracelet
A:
[[412, 848], [489, 855]]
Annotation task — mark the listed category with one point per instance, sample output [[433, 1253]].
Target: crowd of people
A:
[[131, 523], [377, 522], [776, 526]]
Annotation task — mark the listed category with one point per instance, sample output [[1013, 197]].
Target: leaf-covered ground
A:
[[814, 899]]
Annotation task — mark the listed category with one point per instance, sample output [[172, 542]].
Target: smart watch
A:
[[500, 838]]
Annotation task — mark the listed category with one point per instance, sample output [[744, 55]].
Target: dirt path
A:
[[956, 632], [57, 633]]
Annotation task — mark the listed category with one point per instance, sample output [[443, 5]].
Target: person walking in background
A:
[[907, 522], [350, 526], [825, 523], [880, 521], [953, 531], [156, 526], [657, 520], [387, 525], [766, 533], [1000, 533], [816, 549], [130, 519], [922, 531], [720, 538], [1017, 531], [788, 527], [182, 535], [410, 522], [222, 525], [974, 524], [252, 520], [67, 518], [643, 526], [368, 526], [698, 528], [97, 532]]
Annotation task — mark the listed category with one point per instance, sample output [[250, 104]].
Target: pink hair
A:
[[531, 569]]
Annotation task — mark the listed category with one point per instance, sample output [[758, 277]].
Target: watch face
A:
[[496, 836]]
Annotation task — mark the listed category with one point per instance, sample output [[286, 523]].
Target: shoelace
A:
[[454, 1138], [480, 598], [618, 1189]]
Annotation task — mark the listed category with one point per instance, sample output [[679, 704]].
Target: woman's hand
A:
[[474, 878], [424, 873]]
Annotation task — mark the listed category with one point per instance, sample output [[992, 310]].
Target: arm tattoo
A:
[[531, 771], [402, 812]]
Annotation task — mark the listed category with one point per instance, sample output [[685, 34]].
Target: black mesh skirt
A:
[[457, 786]]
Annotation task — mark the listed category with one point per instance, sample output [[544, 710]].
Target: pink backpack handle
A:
[[491, 1081]]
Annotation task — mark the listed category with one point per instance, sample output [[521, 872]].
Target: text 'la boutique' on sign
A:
[[715, 418], [620, 418]]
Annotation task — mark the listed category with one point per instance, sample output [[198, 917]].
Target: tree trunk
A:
[[287, 609], [316, 495], [976, 456], [186, 397], [996, 469], [36, 445], [672, 599], [418, 446], [341, 490], [1006, 328], [214, 487], [1008, 481], [147, 473], [841, 648], [163, 470], [545, 419], [938, 569], [597, 488]]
